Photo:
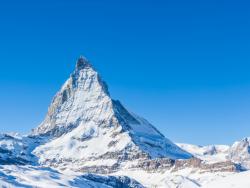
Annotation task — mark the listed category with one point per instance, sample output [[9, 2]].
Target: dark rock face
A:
[[82, 62], [127, 155], [114, 181], [13, 161], [240, 153], [191, 163], [163, 164], [15, 151], [200, 165], [101, 169], [123, 115], [155, 165]]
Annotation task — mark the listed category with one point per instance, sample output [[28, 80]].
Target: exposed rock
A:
[[114, 181], [239, 152], [198, 164], [155, 165]]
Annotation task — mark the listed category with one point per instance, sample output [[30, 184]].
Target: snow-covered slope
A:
[[212, 153], [38, 177], [16, 149], [238, 152], [16, 176], [88, 128], [240, 180]]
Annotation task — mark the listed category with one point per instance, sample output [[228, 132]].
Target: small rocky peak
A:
[[82, 63]]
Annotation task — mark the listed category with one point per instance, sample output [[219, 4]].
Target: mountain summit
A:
[[87, 127], [82, 62], [77, 101]]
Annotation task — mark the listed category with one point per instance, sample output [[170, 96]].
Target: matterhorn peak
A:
[[84, 119], [79, 94], [82, 62]]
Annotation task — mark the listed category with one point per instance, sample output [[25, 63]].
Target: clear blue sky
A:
[[183, 65]]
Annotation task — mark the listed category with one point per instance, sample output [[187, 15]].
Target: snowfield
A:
[[240, 180], [15, 176], [29, 176]]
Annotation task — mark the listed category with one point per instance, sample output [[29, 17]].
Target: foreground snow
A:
[[240, 180], [12, 176]]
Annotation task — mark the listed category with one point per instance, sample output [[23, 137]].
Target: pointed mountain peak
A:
[[81, 94], [82, 62], [85, 71], [84, 113]]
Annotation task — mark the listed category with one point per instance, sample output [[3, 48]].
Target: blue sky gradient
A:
[[183, 65]]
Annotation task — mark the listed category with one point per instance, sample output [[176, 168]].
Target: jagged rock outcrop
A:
[[197, 165], [239, 152], [155, 165], [114, 181], [202, 167]]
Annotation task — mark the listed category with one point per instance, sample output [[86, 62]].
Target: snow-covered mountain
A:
[[89, 128], [87, 139], [238, 152]]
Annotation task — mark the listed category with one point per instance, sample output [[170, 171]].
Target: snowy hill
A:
[[30, 176], [240, 180], [211, 153], [238, 152], [16, 149]]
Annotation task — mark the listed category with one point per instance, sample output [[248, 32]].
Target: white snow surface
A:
[[238, 152], [39, 177], [240, 180], [16, 176], [210, 154]]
